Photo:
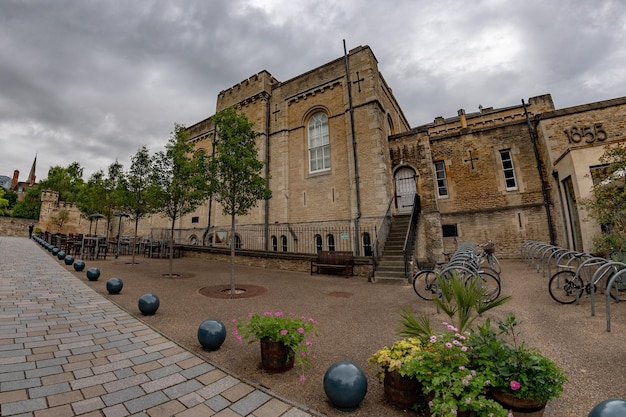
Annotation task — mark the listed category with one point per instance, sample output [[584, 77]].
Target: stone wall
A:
[[10, 226]]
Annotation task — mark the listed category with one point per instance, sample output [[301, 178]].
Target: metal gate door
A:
[[405, 189]]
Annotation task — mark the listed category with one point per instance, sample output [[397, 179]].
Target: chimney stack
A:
[[462, 118], [15, 180]]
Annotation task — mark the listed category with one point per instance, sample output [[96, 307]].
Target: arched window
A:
[[283, 243], [390, 125], [318, 243], [237, 242], [193, 240], [367, 244], [274, 244], [330, 241], [319, 148]]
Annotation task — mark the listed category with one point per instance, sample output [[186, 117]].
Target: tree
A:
[[30, 206], [61, 217], [607, 204], [101, 194], [180, 179], [136, 191], [235, 168], [11, 196]]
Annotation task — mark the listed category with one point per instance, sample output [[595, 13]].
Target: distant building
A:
[[5, 182], [20, 187]]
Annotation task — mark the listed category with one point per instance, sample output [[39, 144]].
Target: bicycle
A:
[[488, 253], [462, 265], [567, 286]]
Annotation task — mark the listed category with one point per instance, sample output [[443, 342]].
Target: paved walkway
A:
[[65, 351]]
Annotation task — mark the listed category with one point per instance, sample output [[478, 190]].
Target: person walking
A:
[[30, 230]]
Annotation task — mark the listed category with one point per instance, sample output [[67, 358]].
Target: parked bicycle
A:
[[463, 264], [488, 253]]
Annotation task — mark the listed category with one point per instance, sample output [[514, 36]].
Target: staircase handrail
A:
[[382, 233], [407, 249]]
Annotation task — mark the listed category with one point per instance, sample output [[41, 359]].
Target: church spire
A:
[[31, 175]]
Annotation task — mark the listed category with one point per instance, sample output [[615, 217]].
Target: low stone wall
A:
[[11, 226], [269, 260]]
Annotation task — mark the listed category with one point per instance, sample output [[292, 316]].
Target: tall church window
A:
[[283, 243], [508, 169], [319, 147], [318, 243], [274, 244], [442, 182], [367, 244], [330, 240]]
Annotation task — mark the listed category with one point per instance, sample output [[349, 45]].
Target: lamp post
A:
[[119, 215]]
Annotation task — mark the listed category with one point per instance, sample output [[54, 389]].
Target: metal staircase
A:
[[390, 269]]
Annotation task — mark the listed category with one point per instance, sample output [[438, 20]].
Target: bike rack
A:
[[608, 294], [599, 272]]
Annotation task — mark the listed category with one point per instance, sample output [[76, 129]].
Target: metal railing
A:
[[409, 240]]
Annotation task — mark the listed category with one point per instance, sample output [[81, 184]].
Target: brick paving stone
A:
[[123, 395], [183, 388], [163, 383], [217, 403], [167, 409], [12, 396], [237, 391], [250, 402], [20, 407], [85, 406], [60, 411], [146, 401], [200, 369], [200, 410], [65, 398], [115, 411], [227, 412], [272, 408], [191, 400], [47, 390]]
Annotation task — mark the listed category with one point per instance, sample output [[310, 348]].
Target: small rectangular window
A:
[[508, 169], [195, 219], [449, 230], [442, 182]]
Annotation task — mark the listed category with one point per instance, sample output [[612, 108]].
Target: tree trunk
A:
[[232, 255], [171, 244], [134, 243]]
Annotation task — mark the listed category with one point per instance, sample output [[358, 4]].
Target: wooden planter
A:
[[403, 392], [519, 407], [275, 356]]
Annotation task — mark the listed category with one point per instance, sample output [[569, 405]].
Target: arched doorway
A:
[[405, 189]]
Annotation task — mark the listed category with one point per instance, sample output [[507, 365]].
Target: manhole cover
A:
[[340, 294], [241, 291]]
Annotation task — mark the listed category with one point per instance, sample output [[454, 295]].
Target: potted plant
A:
[[400, 390], [524, 380], [452, 386], [282, 338]]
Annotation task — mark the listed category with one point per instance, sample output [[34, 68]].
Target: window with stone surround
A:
[[319, 147], [318, 243], [508, 169], [330, 240], [283, 243], [274, 244], [442, 182]]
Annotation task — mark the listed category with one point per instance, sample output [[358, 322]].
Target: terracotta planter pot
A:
[[402, 391], [275, 356], [519, 407]]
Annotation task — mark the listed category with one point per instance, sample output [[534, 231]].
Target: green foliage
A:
[[136, 193], [179, 179], [517, 369], [11, 196], [30, 206], [392, 358], [67, 181], [443, 367], [463, 300], [607, 204], [235, 169], [289, 329], [101, 194], [4, 203]]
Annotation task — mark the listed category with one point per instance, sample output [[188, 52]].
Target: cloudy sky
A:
[[92, 81]]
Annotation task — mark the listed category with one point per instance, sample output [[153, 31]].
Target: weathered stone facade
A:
[[509, 174]]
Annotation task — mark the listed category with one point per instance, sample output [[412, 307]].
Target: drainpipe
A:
[[357, 245], [544, 191], [555, 175], [267, 172], [208, 226]]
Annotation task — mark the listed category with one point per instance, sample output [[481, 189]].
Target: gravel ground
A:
[[357, 318]]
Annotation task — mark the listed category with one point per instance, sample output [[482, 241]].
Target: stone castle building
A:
[[345, 168]]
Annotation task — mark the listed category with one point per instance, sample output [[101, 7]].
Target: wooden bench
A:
[[333, 261]]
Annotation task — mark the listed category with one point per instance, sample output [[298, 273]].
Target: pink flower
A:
[[238, 337], [300, 330], [278, 313], [283, 332], [515, 385], [448, 345], [302, 378]]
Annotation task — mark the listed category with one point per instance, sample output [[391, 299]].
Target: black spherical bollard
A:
[[93, 274], [54, 251], [79, 265], [148, 304], [69, 259], [345, 385], [114, 285], [211, 334], [61, 255], [613, 407]]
